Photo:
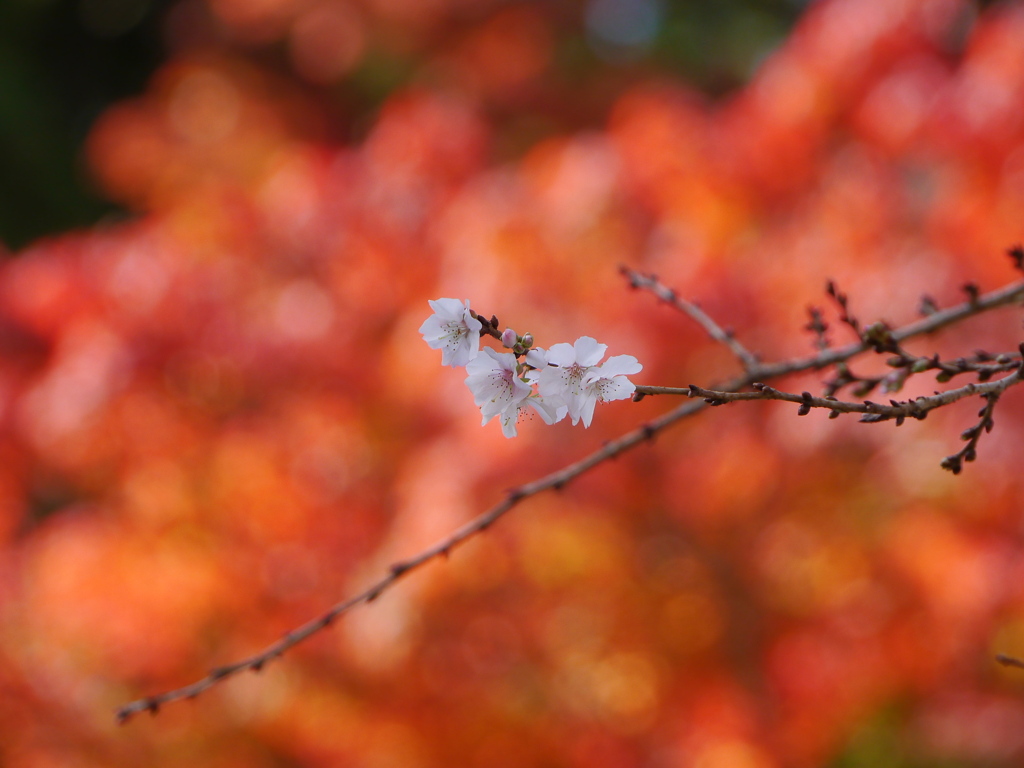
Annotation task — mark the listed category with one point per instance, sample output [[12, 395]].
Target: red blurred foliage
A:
[[217, 418]]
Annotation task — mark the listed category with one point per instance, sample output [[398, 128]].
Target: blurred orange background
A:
[[217, 418]]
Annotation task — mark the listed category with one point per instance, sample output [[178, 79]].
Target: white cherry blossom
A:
[[499, 391], [452, 329], [572, 375], [607, 382]]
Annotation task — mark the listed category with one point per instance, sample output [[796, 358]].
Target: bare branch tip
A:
[[952, 463], [927, 307], [1009, 661], [972, 291], [1016, 254]]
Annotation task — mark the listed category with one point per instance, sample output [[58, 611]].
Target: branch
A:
[[755, 372], [713, 329], [555, 480]]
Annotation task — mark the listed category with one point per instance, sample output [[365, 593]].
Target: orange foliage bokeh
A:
[[217, 418]]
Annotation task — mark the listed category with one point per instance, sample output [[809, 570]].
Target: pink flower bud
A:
[[509, 338]]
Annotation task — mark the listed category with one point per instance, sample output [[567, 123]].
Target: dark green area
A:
[[56, 77], [718, 45]]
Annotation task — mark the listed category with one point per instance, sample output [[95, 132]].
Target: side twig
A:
[[972, 435], [649, 282], [917, 408]]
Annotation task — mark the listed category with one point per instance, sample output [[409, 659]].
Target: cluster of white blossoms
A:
[[564, 380]]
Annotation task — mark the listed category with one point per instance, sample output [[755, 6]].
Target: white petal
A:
[[550, 409], [450, 309], [431, 328], [537, 357], [588, 351], [463, 353], [476, 367], [620, 365], [472, 324], [508, 422], [561, 354], [557, 382], [576, 404], [587, 411]]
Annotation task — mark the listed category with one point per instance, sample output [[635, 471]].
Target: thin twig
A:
[[972, 435], [938, 320], [843, 302], [488, 327], [651, 283], [917, 408], [757, 372], [818, 327]]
